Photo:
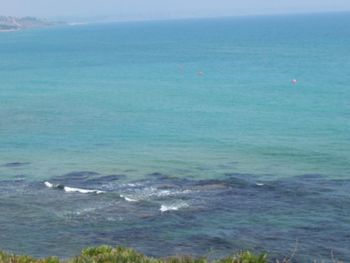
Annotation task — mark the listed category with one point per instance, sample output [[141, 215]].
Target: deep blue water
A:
[[196, 117]]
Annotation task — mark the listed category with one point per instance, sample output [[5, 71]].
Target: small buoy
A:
[[294, 81]]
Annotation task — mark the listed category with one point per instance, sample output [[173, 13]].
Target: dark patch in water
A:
[[209, 242], [78, 178], [302, 186], [20, 177], [81, 174], [58, 187], [160, 176], [241, 180], [211, 184], [129, 171], [204, 168], [106, 179], [225, 215], [11, 181], [162, 179], [15, 164], [157, 175], [166, 187]]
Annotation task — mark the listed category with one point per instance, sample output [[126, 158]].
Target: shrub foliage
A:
[[106, 254]]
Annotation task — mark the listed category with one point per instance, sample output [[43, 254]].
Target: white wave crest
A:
[[172, 207], [49, 185], [150, 192], [73, 189], [82, 191], [128, 199]]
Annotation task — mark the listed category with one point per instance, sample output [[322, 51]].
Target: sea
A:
[[183, 137]]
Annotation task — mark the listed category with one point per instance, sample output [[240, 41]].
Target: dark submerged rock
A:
[[15, 164]]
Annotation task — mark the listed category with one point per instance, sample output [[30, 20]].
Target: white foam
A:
[[82, 191], [49, 185], [162, 193], [128, 199], [153, 191], [86, 210], [133, 185], [172, 207], [73, 190]]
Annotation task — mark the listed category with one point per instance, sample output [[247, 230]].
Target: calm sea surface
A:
[[192, 129]]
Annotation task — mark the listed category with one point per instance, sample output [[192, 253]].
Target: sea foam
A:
[[73, 189], [172, 207], [128, 199]]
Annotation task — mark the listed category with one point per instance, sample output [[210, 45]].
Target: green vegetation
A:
[[105, 254]]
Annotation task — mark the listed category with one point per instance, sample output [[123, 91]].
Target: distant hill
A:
[[9, 23]]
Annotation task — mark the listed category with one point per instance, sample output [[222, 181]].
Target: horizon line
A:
[[110, 20], [104, 19]]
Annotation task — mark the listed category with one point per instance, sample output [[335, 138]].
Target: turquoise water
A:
[[187, 102]]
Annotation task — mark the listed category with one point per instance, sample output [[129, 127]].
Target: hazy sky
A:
[[141, 9]]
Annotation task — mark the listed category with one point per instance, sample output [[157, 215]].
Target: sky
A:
[[161, 9]]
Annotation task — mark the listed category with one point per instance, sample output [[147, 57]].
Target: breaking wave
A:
[[172, 207], [73, 189]]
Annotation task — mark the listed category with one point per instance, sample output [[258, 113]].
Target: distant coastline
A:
[[9, 30], [9, 23]]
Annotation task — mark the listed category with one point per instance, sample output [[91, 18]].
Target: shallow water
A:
[[188, 216], [192, 129]]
